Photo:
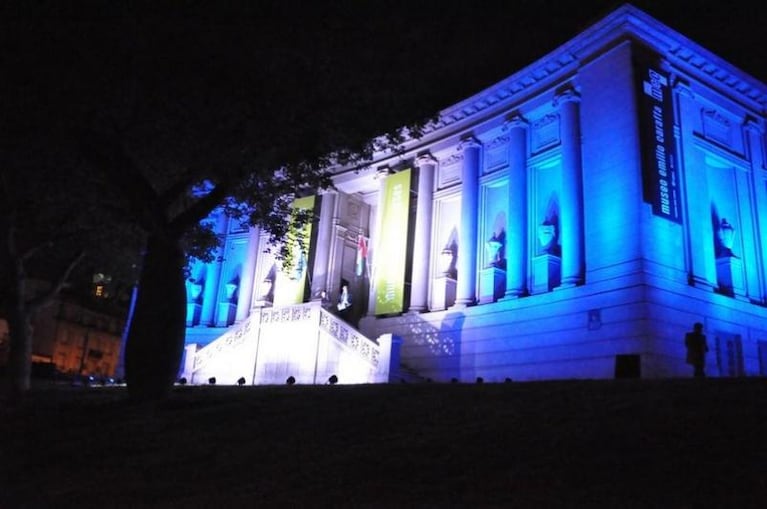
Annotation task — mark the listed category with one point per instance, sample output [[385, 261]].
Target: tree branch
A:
[[45, 298], [111, 157], [199, 209]]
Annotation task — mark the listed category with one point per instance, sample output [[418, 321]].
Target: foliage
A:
[[164, 115]]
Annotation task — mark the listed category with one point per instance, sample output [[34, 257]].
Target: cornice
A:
[[625, 24]]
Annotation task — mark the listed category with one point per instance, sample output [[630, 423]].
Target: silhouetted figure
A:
[[324, 299], [697, 347]]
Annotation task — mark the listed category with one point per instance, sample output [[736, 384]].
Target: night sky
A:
[[451, 49], [507, 36]]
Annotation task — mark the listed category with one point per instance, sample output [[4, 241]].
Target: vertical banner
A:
[[656, 131], [290, 286], [391, 248]]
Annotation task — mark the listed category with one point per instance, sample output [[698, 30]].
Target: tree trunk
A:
[[156, 337], [19, 317], [20, 352]]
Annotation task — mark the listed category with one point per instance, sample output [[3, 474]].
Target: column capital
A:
[[753, 125], [567, 95], [383, 172], [682, 87], [515, 121], [425, 160], [469, 141]]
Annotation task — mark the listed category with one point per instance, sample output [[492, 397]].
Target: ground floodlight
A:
[[241, 381], [333, 380], [212, 380], [182, 380], [291, 380]]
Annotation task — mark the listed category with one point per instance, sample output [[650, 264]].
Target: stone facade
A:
[[572, 221]]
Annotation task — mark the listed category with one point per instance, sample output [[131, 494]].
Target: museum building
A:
[[572, 221]]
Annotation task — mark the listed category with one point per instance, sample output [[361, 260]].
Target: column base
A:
[[492, 282], [193, 314], [514, 294], [546, 273], [226, 312], [700, 282], [729, 275], [443, 293]]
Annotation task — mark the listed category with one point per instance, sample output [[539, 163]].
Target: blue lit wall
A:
[[621, 179]]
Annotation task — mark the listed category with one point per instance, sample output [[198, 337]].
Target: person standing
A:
[[696, 344], [344, 300]]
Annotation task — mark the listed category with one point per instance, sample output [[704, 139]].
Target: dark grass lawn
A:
[[613, 443]]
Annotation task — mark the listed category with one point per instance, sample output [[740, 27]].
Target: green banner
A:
[[290, 287], [391, 248]]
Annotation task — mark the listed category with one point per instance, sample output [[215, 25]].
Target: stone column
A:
[[247, 283], [571, 213], [321, 269], [381, 174], [467, 236], [516, 235], [426, 165], [700, 232], [757, 286], [213, 275]]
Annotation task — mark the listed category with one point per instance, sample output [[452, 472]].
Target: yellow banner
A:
[[391, 254], [291, 284]]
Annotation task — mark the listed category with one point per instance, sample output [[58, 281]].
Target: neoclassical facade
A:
[[571, 221]]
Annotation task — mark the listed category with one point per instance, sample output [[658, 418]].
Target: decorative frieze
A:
[[496, 155], [451, 160], [545, 132], [495, 143], [717, 127], [450, 170]]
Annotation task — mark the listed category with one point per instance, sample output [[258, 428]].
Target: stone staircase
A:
[[303, 341]]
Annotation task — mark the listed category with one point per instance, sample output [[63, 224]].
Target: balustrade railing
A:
[[227, 342], [341, 332]]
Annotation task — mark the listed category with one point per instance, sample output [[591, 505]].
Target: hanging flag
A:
[[362, 254]]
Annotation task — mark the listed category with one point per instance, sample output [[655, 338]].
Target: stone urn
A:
[[195, 290], [726, 234], [493, 249], [231, 288], [547, 233], [446, 258]]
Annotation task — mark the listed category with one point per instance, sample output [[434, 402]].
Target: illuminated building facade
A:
[[571, 221], [72, 337]]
